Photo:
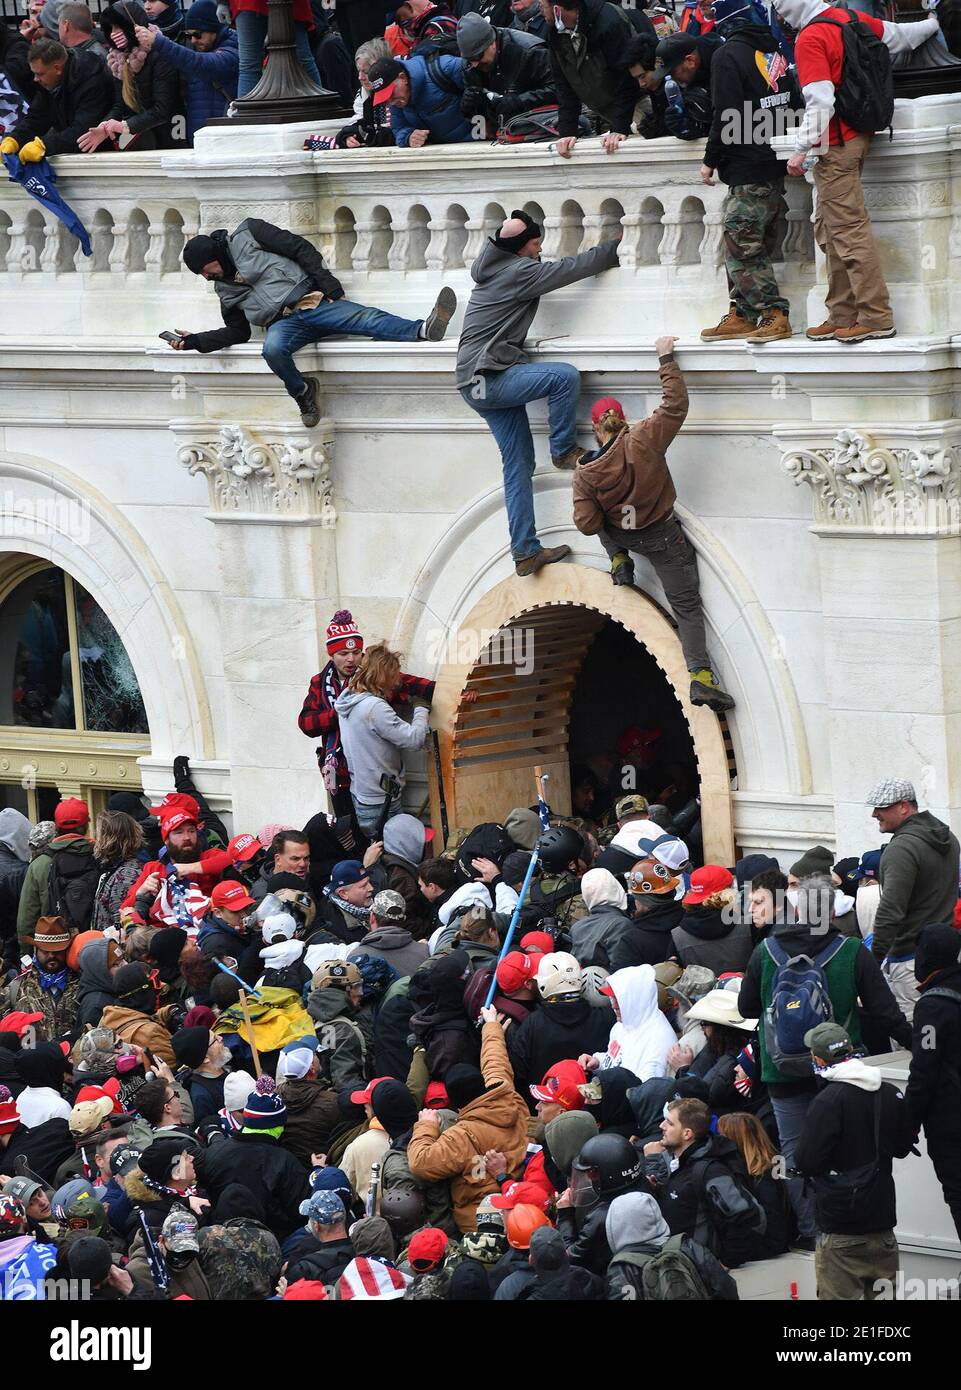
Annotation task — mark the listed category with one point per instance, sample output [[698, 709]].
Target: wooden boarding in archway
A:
[[523, 646]]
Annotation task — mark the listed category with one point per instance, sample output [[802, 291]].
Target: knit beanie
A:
[[202, 18], [237, 1087], [394, 1107], [343, 635], [265, 1108], [818, 860], [190, 1046], [198, 252], [133, 988], [166, 945], [159, 1159], [464, 1084]]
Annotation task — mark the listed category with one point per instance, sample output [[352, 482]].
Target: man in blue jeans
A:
[[495, 378], [272, 279]]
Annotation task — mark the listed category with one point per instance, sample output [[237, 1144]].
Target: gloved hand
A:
[[33, 151], [473, 102], [8, 145]]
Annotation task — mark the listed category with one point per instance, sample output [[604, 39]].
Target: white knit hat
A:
[[237, 1087]]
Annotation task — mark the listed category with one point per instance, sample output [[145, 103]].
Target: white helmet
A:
[[558, 973]]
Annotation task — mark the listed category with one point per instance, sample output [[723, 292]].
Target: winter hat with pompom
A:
[[265, 1108]]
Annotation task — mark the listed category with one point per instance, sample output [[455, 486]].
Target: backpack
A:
[[71, 887], [539, 123], [864, 98], [486, 841], [667, 1274], [735, 1218], [800, 1000]]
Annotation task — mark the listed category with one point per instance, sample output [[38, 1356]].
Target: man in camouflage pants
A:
[[753, 95]]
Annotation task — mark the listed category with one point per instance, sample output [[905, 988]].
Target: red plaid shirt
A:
[[318, 718]]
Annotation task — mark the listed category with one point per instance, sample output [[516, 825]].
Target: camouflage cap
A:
[[180, 1230], [389, 906]]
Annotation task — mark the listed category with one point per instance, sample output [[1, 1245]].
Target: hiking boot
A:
[[308, 405], [571, 459], [822, 331], [859, 334], [772, 325], [532, 563], [622, 568], [706, 691], [731, 326], [435, 324]]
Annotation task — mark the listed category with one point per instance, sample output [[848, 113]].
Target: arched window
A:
[[72, 719]]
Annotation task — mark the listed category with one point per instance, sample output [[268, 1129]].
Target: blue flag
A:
[[38, 180]]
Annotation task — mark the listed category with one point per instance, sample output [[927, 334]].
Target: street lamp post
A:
[[284, 92]]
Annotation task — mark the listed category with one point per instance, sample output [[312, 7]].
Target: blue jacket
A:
[[211, 78], [431, 108]]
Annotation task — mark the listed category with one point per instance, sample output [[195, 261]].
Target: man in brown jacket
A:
[[491, 1116], [624, 494]]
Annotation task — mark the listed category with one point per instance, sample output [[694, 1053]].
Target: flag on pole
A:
[[39, 180]]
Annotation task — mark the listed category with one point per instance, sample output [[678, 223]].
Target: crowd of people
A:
[[554, 1058]]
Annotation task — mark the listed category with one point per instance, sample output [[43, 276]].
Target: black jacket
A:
[[531, 22], [681, 1194], [586, 1243], [738, 87], [321, 1260], [521, 77], [157, 84], [274, 239], [552, 1032], [12, 873], [14, 61], [83, 99], [703, 937], [595, 78], [838, 1136], [372, 128], [272, 1174], [42, 1148], [625, 1282], [392, 1051], [933, 1091]]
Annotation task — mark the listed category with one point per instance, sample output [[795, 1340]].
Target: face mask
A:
[[558, 21]]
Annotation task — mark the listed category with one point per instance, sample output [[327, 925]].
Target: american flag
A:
[[773, 66]]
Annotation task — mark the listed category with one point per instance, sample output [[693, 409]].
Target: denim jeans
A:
[[790, 1112], [286, 336], [251, 34], [500, 398], [368, 815]]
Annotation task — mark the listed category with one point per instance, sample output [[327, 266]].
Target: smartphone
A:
[[150, 1057], [169, 337]]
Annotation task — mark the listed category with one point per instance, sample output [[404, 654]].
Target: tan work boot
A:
[[731, 326], [857, 333], [772, 325], [539, 559], [571, 459], [822, 332]]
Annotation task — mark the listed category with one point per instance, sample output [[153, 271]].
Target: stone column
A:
[[270, 499], [887, 517]]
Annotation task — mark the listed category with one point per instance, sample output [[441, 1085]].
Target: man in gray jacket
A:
[[495, 378], [270, 278], [919, 883]]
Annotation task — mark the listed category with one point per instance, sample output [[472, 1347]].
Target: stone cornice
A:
[[275, 471]]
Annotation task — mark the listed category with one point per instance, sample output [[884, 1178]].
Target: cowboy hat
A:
[[720, 1006]]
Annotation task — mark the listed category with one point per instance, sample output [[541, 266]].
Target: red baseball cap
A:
[[540, 941], [515, 971], [172, 820], [426, 1249], [305, 1290], [713, 878], [558, 1090], [436, 1097], [18, 1022], [231, 894], [363, 1097], [605, 403], [243, 847], [177, 801], [110, 1090], [71, 814], [567, 1070], [521, 1193]]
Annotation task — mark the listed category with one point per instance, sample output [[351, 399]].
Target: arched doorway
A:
[[522, 649]]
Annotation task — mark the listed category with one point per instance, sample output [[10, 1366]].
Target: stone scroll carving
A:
[[250, 474]]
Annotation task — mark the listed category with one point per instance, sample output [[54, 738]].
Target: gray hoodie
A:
[[374, 739], [502, 306], [635, 1219]]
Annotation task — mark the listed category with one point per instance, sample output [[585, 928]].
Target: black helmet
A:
[[403, 1209], [611, 1163], [558, 845]]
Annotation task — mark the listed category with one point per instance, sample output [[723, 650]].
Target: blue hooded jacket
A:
[[431, 107], [211, 78]]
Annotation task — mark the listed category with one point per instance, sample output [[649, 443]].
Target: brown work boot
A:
[[731, 326], [772, 325], [539, 559], [857, 333], [822, 332], [571, 459]]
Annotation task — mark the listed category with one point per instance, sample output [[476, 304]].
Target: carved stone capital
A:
[[271, 472], [894, 489]]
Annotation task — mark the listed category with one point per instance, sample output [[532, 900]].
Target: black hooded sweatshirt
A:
[[746, 90], [933, 1091]]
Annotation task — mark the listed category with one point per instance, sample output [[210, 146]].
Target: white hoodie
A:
[[642, 1038], [855, 1073], [900, 39]]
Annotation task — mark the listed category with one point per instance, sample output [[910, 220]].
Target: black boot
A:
[[308, 406]]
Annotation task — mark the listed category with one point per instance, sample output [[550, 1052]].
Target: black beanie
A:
[[938, 948], [158, 1160], [516, 243], [133, 988], [464, 1084], [166, 945], [394, 1107], [190, 1046], [200, 251], [130, 804], [224, 991], [43, 1065], [235, 1201], [90, 1259]]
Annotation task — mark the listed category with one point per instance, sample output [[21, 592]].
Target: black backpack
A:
[[72, 887], [735, 1218], [864, 99], [486, 841]]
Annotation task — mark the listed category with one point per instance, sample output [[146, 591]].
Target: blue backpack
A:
[[800, 1000]]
